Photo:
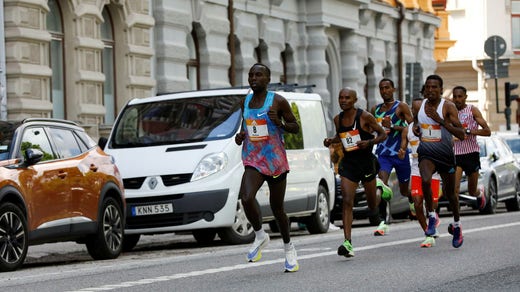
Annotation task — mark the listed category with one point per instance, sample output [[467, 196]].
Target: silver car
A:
[[499, 173]]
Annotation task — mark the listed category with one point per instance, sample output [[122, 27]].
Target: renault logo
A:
[[152, 183]]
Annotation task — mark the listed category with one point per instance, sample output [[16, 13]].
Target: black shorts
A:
[[271, 179], [468, 162], [359, 169]]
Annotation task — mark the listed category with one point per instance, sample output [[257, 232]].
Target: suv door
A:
[[46, 182]]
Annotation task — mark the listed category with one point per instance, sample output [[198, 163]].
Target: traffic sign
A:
[[496, 68], [495, 46]]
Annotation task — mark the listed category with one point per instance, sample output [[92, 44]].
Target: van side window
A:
[[294, 141]]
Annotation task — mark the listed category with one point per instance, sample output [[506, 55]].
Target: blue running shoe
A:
[[255, 252], [458, 239], [432, 225]]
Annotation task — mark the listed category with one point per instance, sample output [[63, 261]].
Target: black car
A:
[[398, 208]]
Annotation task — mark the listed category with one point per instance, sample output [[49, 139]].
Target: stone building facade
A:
[[116, 50]]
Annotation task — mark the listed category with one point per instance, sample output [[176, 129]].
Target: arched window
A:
[[192, 67], [55, 28], [109, 94]]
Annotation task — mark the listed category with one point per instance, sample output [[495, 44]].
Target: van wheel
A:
[[13, 231], [130, 241], [320, 220], [107, 243], [204, 236], [241, 232]]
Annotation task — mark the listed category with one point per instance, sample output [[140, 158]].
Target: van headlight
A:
[[209, 165]]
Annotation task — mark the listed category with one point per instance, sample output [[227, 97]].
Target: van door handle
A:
[[62, 174]]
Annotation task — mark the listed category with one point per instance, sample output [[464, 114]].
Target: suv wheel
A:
[[13, 237], [107, 243], [320, 220], [241, 232]]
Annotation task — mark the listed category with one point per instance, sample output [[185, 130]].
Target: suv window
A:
[[35, 137], [65, 141], [178, 121]]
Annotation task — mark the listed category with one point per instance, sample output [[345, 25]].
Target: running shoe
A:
[[255, 252], [412, 209], [382, 229], [346, 249], [433, 222], [481, 200], [458, 239], [291, 263], [428, 242], [386, 191]]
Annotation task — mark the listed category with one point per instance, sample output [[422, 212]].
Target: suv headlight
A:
[[209, 165]]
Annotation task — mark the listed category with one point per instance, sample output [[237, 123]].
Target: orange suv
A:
[[56, 184]]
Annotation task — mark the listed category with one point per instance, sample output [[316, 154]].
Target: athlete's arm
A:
[[416, 105], [282, 116], [404, 143], [335, 139], [477, 116], [451, 120], [369, 124]]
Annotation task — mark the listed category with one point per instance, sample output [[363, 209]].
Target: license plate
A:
[[152, 209]]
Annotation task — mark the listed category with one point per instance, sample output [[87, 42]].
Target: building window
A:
[[57, 90], [107, 36], [515, 26], [192, 67]]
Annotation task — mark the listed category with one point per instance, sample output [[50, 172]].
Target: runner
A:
[[354, 128], [394, 116], [435, 121], [266, 116], [467, 152]]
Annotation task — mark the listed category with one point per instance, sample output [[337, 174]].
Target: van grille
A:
[[135, 183]]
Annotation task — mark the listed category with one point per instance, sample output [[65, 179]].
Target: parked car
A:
[[56, 184], [499, 174], [182, 168], [398, 207], [512, 139]]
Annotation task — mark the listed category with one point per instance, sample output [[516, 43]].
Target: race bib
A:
[[350, 139], [414, 144], [431, 133], [257, 130]]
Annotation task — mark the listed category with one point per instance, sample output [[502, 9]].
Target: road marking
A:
[[270, 262]]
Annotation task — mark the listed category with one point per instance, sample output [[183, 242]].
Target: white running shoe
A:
[[291, 263], [255, 252]]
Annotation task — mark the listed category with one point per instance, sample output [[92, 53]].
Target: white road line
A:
[[270, 262]]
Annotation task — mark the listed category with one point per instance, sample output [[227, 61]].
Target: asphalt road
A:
[[488, 260]]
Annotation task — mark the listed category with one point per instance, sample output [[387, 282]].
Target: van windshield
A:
[[178, 121]]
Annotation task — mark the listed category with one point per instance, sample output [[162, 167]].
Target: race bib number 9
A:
[[350, 139]]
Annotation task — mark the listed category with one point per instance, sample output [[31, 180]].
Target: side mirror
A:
[[33, 156], [102, 142], [494, 156]]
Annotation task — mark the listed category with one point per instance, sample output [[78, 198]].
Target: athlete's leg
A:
[[348, 192], [427, 168], [448, 188], [252, 180], [458, 177], [276, 199]]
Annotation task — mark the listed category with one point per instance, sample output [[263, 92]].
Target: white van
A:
[[182, 169]]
